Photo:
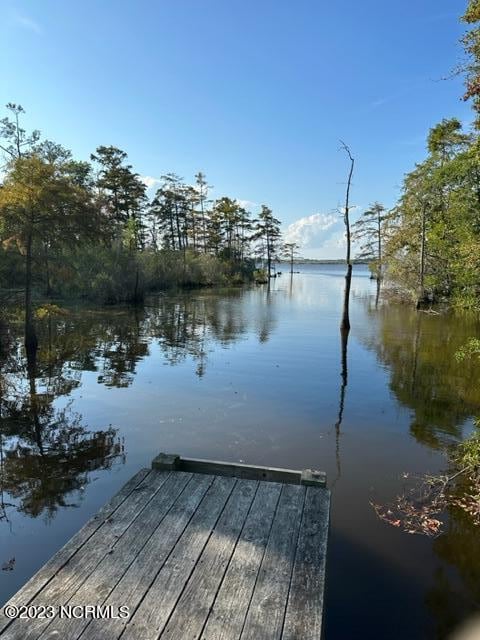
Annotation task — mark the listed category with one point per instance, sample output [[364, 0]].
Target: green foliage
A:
[[122, 194], [71, 229], [467, 453], [432, 244], [114, 274], [50, 311], [267, 231], [260, 276], [370, 230], [470, 350], [471, 43], [433, 237]]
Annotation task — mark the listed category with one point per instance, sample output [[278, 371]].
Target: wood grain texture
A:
[[193, 607], [267, 608], [135, 583], [229, 611], [51, 568], [97, 587], [194, 557], [70, 577], [156, 608], [305, 602]]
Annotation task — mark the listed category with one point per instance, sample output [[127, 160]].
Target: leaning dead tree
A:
[[345, 323]]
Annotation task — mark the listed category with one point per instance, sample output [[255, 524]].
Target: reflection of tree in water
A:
[[449, 601], [341, 400], [45, 464], [182, 326], [46, 454], [186, 325], [419, 351], [265, 321], [120, 350]]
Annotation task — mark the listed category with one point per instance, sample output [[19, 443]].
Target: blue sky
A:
[[255, 93]]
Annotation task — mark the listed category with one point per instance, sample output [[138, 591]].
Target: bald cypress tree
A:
[[267, 230], [369, 231]]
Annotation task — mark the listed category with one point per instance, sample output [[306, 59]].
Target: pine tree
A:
[[267, 230]]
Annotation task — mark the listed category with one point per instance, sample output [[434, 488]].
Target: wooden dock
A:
[[196, 550]]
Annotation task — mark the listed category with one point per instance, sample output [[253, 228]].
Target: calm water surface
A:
[[255, 376]]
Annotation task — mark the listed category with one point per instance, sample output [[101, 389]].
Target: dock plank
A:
[[304, 614], [136, 581], [267, 609], [51, 568], [112, 567], [192, 609], [231, 555], [79, 567], [227, 617], [156, 608]]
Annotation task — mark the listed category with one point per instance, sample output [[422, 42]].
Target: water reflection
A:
[[341, 401], [46, 454], [257, 375], [418, 349], [455, 595], [185, 325]]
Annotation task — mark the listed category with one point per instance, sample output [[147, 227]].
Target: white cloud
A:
[[321, 235], [26, 22], [310, 230], [150, 181]]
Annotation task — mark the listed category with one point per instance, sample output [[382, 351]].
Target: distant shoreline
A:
[[313, 261]]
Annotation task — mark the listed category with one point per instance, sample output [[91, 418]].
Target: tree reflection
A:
[[450, 601], [121, 350], [442, 393], [46, 453], [418, 350], [341, 400], [266, 317], [41, 468]]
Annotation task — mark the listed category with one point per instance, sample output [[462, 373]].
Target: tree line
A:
[[89, 229], [428, 245]]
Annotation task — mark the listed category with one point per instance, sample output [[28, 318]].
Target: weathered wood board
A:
[[193, 551]]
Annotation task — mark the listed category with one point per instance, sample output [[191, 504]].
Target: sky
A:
[[256, 94]]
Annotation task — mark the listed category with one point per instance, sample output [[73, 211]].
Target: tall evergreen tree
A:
[[267, 230], [369, 230], [122, 191], [202, 190], [471, 43]]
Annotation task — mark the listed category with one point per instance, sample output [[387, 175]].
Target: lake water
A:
[[253, 375]]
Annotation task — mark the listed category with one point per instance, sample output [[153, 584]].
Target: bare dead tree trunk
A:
[[204, 224], [48, 291], [345, 323]]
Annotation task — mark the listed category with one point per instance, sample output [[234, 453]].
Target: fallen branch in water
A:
[[420, 510]]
